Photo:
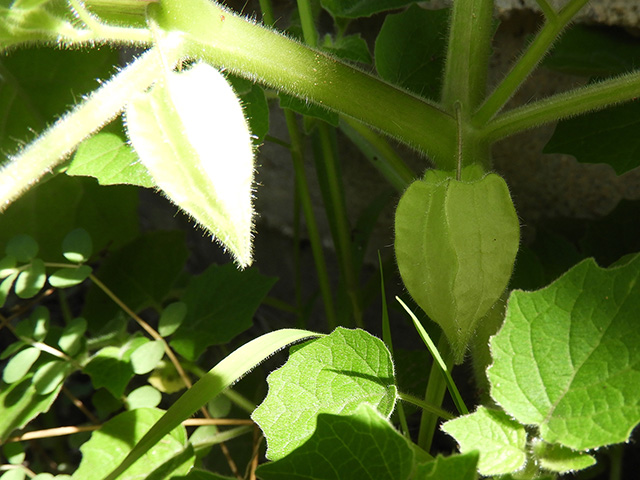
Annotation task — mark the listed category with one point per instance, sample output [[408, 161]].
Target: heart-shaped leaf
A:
[[334, 374], [566, 358], [500, 440]]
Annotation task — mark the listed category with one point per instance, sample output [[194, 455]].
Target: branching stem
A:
[[540, 46], [563, 105]]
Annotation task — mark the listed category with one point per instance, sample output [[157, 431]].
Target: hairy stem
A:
[[563, 105], [536, 51], [250, 50], [56, 143], [469, 47]]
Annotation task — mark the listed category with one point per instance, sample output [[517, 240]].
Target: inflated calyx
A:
[[455, 244]]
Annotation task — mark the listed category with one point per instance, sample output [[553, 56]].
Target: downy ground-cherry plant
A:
[[123, 357]]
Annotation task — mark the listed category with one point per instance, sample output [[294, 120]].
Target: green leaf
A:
[[49, 377], [594, 51], [410, 50], [219, 407], [360, 444], [567, 357], [14, 452], [144, 397], [256, 110], [110, 368], [105, 403], [7, 266], [166, 379], [53, 208], [109, 446], [557, 458], [240, 85], [69, 277], [20, 365], [458, 467], [107, 157], [608, 136], [140, 274], [147, 356], [210, 385], [14, 474], [220, 305], [361, 8], [22, 247], [308, 109], [6, 286], [77, 246], [171, 318], [39, 84], [334, 374], [203, 438], [197, 474], [190, 133], [15, 347], [501, 441], [348, 47], [455, 247], [21, 403], [36, 326], [124, 12], [27, 4], [180, 462], [72, 336], [24, 23]]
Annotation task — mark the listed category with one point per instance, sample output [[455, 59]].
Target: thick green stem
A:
[[465, 74], [328, 167], [540, 46], [471, 147], [250, 50], [49, 149], [563, 105]]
